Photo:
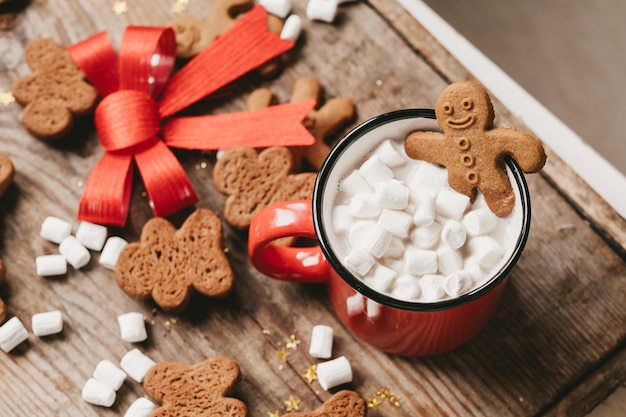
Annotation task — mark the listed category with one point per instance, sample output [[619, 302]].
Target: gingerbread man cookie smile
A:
[[472, 149]]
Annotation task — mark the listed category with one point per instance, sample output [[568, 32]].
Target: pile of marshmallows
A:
[[408, 234]]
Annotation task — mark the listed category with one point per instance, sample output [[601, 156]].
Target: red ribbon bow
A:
[[133, 118]]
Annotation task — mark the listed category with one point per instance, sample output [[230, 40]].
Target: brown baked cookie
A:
[[195, 391], [322, 122], [54, 93], [168, 264], [254, 180], [343, 404], [6, 176], [472, 149]]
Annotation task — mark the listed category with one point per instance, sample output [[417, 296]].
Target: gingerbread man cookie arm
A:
[[527, 150], [427, 146]]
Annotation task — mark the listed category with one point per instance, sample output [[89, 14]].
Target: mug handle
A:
[[298, 264]]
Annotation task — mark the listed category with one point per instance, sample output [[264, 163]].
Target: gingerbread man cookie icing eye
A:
[[472, 149], [344, 403], [202, 389]]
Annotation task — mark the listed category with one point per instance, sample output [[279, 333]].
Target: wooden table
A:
[[555, 347]]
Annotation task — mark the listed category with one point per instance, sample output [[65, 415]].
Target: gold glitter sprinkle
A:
[[226, 250], [6, 98], [179, 6], [203, 165], [292, 404], [310, 374], [282, 354], [383, 392], [393, 400], [373, 402], [79, 184], [266, 332], [281, 367], [120, 7], [174, 320], [292, 342], [273, 414]]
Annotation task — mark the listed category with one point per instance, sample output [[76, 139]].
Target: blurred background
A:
[[569, 55]]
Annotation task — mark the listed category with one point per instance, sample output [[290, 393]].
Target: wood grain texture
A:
[[561, 319]]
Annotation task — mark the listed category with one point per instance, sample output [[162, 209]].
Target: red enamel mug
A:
[[407, 328]]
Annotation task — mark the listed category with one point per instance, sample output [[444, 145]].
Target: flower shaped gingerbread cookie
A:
[[472, 149], [197, 390], [6, 176], [169, 264]]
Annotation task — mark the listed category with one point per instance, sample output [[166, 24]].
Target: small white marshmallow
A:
[[432, 289], [324, 10], [280, 8], [395, 249], [381, 279], [392, 195], [480, 222], [377, 240], [292, 28], [449, 260], [406, 287], [55, 229], [359, 234], [141, 407], [389, 155], [457, 283], [424, 212], [321, 342], [108, 374], [111, 251], [132, 327], [91, 235], [51, 265], [420, 262], [359, 261], [451, 204], [45, 324], [354, 184], [426, 237], [487, 250], [97, 393], [12, 333], [364, 206], [453, 234], [341, 218], [374, 171], [136, 364], [428, 174], [334, 372], [75, 253], [397, 222]]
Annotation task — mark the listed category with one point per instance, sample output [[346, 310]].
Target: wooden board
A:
[[562, 317]]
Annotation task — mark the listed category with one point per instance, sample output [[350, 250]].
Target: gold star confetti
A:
[[292, 342], [383, 392], [273, 414], [6, 98], [394, 400], [179, 6], [373, 402], [292, 403], [310, 374], [267, 332], [282, 354], [120, 7]]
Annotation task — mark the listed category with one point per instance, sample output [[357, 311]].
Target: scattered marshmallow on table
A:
[[141, 407], [334, 372], [323, 10], [132, 327], [321, 342], [108, 374], [292, 28], [12, 333], [47, 323], [74, 252], [97, 393], [280, 8], [91, 235], [51, 265], [111, 251], [55, 229], [136, 364]]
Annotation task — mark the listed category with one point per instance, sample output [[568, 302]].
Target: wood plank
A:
[[561, 314]]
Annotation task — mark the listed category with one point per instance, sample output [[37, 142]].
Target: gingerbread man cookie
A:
[[254, 180], [197, 390], [168, 264], [472, 149], [6, 176], [342, 404], [54, 93]]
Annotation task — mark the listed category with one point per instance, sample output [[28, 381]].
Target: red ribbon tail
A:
[[106, 196], [256, 128], [167, 185]]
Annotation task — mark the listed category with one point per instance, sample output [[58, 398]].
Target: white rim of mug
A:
[[357, 283]]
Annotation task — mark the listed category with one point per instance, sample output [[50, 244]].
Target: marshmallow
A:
[[132, 327], [453, 234], [395, 249], [451, 204], [487, 250], [391, 195], [457, 283], [108, 374], [449, 260], [341, 218], [74, 252], [334, 372], [359, 261], [472, 266], [324, 10], [97, 393], [141, 407], [377, 240], [406, 287], [280, 8], [381, 279], [91, 235], [55, 229], [480, 222], [50, 265], [45, 324], [321, 342], [359, 234], [111, 251], [431, 287], [292, 28], [388, 154], [428, 174], [12, 333], [420, 262], [364, 206], [373, 309], [374, 171], [426, 237], [354, 184], [355, 304], [424, 212], [397, 222], [136, 364]]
